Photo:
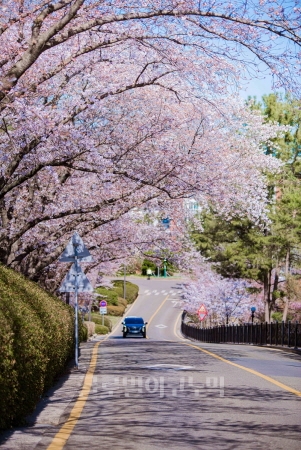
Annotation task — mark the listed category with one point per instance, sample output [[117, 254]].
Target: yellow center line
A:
[[254, 372], [63, 434], [157, 310], [175, 327]]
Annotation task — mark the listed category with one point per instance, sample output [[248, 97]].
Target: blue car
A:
[[134, 325]]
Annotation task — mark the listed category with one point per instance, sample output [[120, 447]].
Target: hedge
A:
[[131, 290], [109, 295], [116, 310], [36, 341], [101, 329], [97, 318]]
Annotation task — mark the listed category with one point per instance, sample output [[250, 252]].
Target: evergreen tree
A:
[[240, 249]]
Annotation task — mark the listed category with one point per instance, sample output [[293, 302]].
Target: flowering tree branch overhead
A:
[[31, 29], [108, 107]]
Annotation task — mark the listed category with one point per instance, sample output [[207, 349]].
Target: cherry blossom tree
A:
[[35, 29], [227, 300], [105, 108]]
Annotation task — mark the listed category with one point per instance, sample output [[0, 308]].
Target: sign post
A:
[[76, 281], [103, 309], [202, 312], [253, 309]]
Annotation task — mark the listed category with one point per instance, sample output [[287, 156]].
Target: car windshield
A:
[[134, 320]]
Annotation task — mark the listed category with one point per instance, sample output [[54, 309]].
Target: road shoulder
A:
[[53, 408]]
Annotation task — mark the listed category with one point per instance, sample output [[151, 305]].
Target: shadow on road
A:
[[150, 394]]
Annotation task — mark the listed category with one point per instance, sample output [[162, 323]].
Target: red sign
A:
[[202, 312], [103, 303]]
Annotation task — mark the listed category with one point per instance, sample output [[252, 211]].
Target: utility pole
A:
[[124, 282]]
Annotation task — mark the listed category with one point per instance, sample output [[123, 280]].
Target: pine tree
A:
[[240, 249]]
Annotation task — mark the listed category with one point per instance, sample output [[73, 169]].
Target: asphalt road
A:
[[166, 391]]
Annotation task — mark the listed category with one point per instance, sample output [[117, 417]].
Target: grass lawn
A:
[[114, 319]]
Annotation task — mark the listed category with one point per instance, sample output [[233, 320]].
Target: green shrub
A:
[[82, 331], [109, 295], [116, 310], [36, 341], [97, 318], [147, 264], [131, 290], [116, 302], [277, 316], [101, 329]]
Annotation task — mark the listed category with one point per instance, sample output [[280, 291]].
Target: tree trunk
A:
[[285, 310], [267, 295], [286, 304]]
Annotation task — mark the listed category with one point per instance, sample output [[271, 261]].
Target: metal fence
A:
[[279, 334]]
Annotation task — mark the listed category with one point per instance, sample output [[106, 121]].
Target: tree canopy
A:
[[109, 107], [239, 248]]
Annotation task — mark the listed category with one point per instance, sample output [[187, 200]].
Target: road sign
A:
[[103, 303], [76, 276], [75, 280], [202, 312], [102, 310], [76, 247]]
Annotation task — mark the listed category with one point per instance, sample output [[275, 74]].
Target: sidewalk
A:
[[53, 408]]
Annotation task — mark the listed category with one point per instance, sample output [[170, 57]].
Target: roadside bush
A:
[[90, 326], [122, 302], [36, 341], [109, 295], [116, 310], [131, 290], [82, 331], [97, 318], [114, 297], [101, 329]]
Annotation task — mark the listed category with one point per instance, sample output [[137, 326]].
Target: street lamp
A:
[[124, 282], [253, 309]]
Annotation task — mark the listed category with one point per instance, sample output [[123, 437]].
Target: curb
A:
[[297, 351]]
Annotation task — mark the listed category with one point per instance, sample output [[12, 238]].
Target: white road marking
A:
[[161, 326], [169, 366], [175, 302]]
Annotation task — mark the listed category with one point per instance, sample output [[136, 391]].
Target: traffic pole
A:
[[76, 311]]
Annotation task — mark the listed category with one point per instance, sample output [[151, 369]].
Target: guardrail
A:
[[279, 334]]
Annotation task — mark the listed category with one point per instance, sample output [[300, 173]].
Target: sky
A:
[[258, 78], [257, 87]]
